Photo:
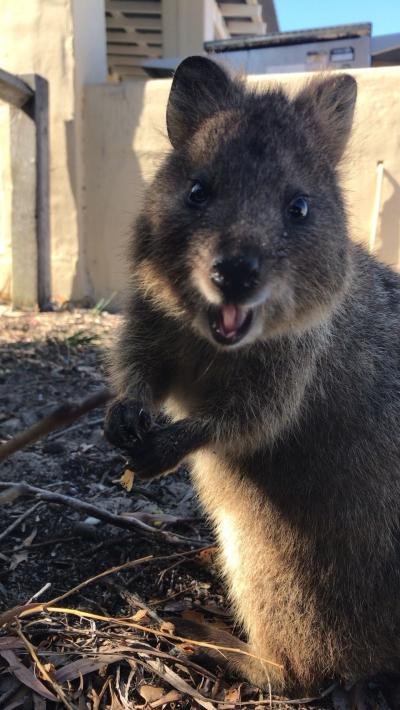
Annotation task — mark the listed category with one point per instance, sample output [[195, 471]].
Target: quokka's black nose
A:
[[236, 276]]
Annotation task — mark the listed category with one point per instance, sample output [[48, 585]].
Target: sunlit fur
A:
[[301, 472]]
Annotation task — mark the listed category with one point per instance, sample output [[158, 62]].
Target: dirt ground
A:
[[87, 652], [46, 360]]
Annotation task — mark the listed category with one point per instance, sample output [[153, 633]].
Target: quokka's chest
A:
[[252, 539]]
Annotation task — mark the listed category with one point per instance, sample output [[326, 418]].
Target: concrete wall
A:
[[64, 41], [125, 139], [5, 204]]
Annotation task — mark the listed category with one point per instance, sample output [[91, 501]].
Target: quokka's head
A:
[[243, 236]]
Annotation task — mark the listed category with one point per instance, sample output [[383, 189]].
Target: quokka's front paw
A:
[[126, 423], [154, 455], [161, 450]]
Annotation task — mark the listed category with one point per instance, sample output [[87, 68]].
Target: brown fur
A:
[[292, 433]]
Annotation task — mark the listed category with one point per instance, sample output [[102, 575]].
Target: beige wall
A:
[[125, 140], [64, 41], [5, 204]]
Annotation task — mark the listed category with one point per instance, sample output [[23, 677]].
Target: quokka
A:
[[272, 342]]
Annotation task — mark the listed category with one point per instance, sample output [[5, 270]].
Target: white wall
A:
[[126, 139]]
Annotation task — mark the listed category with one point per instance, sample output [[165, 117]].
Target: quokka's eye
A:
[[198, 194], [298, 209]]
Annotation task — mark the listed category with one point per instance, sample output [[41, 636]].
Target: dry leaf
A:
[[185, 648], [126, 480], [139, 615], [17, 558], [38, 702], [50, 670], [192, 615], [172, 697], [9, 495], [167, 627], [96, 698], [206, 557], [232, 695], [198, 618], [22, 698], [7, 642], [28, 540], [115, 702], [177, 682], [150, 693], [25, 675], [214, 609], [83, 666]]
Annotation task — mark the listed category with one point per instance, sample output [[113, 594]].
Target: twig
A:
[[80, 613], [105, 573], [120, 568], [45, 543], [58, 691], [38, 594], [176, 681], [133, 646], [276, 701], [91, 423], [63, 416], [22, 610], [135, 601], [19, 520], [130, 523]]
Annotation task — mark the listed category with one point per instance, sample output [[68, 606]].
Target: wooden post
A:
[[28, 97], [41, 120]]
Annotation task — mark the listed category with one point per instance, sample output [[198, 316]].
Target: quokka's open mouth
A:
[[229, 323]]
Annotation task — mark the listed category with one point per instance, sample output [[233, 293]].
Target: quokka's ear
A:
[[329, 103], [199, 89]]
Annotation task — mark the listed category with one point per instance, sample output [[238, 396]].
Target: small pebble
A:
[[72, 491]]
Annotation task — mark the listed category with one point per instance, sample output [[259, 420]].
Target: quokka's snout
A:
[[236, 276], [234, 283]]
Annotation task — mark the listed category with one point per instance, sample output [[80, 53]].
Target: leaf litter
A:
[[113, 645]]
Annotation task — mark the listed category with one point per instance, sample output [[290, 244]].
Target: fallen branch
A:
[[129, 523], [63, 416]]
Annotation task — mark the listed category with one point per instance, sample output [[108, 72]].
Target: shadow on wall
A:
[[389, 231], [122, 149], [81, 290]]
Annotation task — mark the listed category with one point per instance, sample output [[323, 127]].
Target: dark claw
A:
[[152, 447], [126, 423], [145, 421]]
